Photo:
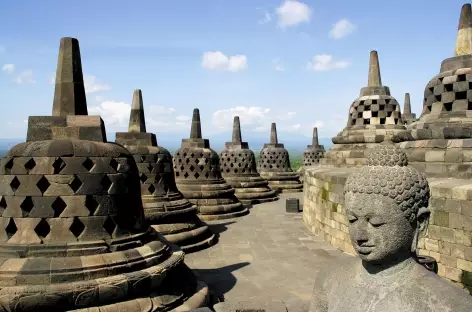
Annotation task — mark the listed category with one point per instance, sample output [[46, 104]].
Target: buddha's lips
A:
[[364, 249]]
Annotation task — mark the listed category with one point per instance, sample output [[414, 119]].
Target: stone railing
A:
[[449, 235]]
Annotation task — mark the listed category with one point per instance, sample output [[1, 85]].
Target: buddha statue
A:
[[386, 203]]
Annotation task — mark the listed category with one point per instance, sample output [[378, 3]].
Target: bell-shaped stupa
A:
[[374, 116], [74, 235], [439, 143], [274, 166], [313, 152], [198, 177], [239, 169], [407, 115], [164, 206]]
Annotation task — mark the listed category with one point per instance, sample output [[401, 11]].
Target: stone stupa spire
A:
[[273, 134], [375, 79], [236, 130], [314, 140], [137, 121], [196, 129], [69, 92], [407, 105], [464, 34]]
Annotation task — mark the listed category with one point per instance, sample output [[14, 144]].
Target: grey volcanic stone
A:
[[407, 115], [313, 152], [274, 166], [239, 169], [386, 205], [73, 233], [164, 206], [374, 117], [198, 177]]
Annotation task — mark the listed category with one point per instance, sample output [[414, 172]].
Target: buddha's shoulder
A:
[[340, 266]]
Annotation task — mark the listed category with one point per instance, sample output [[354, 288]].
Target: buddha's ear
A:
[[422, 219]]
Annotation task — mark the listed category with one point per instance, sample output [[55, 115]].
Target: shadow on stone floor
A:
[[218, 228], [220, 280]]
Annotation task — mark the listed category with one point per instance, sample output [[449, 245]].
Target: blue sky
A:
[[253, 58]]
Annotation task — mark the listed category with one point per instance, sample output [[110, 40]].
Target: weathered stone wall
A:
[[449, 235]]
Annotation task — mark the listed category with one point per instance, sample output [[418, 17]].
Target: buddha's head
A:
[[386, 205]]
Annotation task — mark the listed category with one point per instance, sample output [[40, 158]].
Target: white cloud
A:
[[91, 85], [218, 61], [277, 64], [158, 118], [292, 12], [342, 29], [8, 68], [25, 77], [325, 62]]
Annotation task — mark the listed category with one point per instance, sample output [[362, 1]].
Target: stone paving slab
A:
[[266, 254]]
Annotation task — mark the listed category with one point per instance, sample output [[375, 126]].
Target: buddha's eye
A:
[[376, 222]]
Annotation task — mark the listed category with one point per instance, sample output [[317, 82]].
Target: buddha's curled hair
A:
[[387, 173]]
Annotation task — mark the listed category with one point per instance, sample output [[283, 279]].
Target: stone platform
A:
[[268, 255]]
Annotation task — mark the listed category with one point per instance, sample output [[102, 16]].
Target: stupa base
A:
[[283, 182], [251, 190], [440, 157], [193, 239], [347, 155]]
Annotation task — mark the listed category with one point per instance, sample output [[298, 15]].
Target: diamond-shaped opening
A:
[[143, 158], [207, 174], [109, 226], [143, 177], [58, 165], [196, 175], [58, 206], [27, 205], [88, 164], [185, 175], [201, 167], [75, 184], [77, 227], [3, 203], [15, 184], [151, 189], [114, 164], [11, 228], [91, 204], [8, 166], [187, 160], [30, 164], [43, 184], [42, 229], [182, 167], [191, 168], [150, 167], [106, 182]]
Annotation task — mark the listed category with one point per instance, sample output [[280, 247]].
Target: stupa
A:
[[374, 116], [440, 142], [164, 206], [274, 166], [239, 169], [313, 152], [198, 177], [74, 235], [407, 115]]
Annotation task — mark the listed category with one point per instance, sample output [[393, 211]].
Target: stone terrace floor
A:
[[266, 254]]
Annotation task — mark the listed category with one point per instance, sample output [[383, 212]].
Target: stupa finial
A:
[[236, 130], [374, 70], [137, 122], [69, 92], [315, 137], [464, 34], [407, 105], [196, 130], [273, 134]]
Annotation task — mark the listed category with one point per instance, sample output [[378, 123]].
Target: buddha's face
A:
[[378, 228]]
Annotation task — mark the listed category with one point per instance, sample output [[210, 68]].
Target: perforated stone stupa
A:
[[374, 116], [239, 169], [73, 230], [164, 206], [198, 177], [407, 115], [440, 142], [313, 152], [274, 166]]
